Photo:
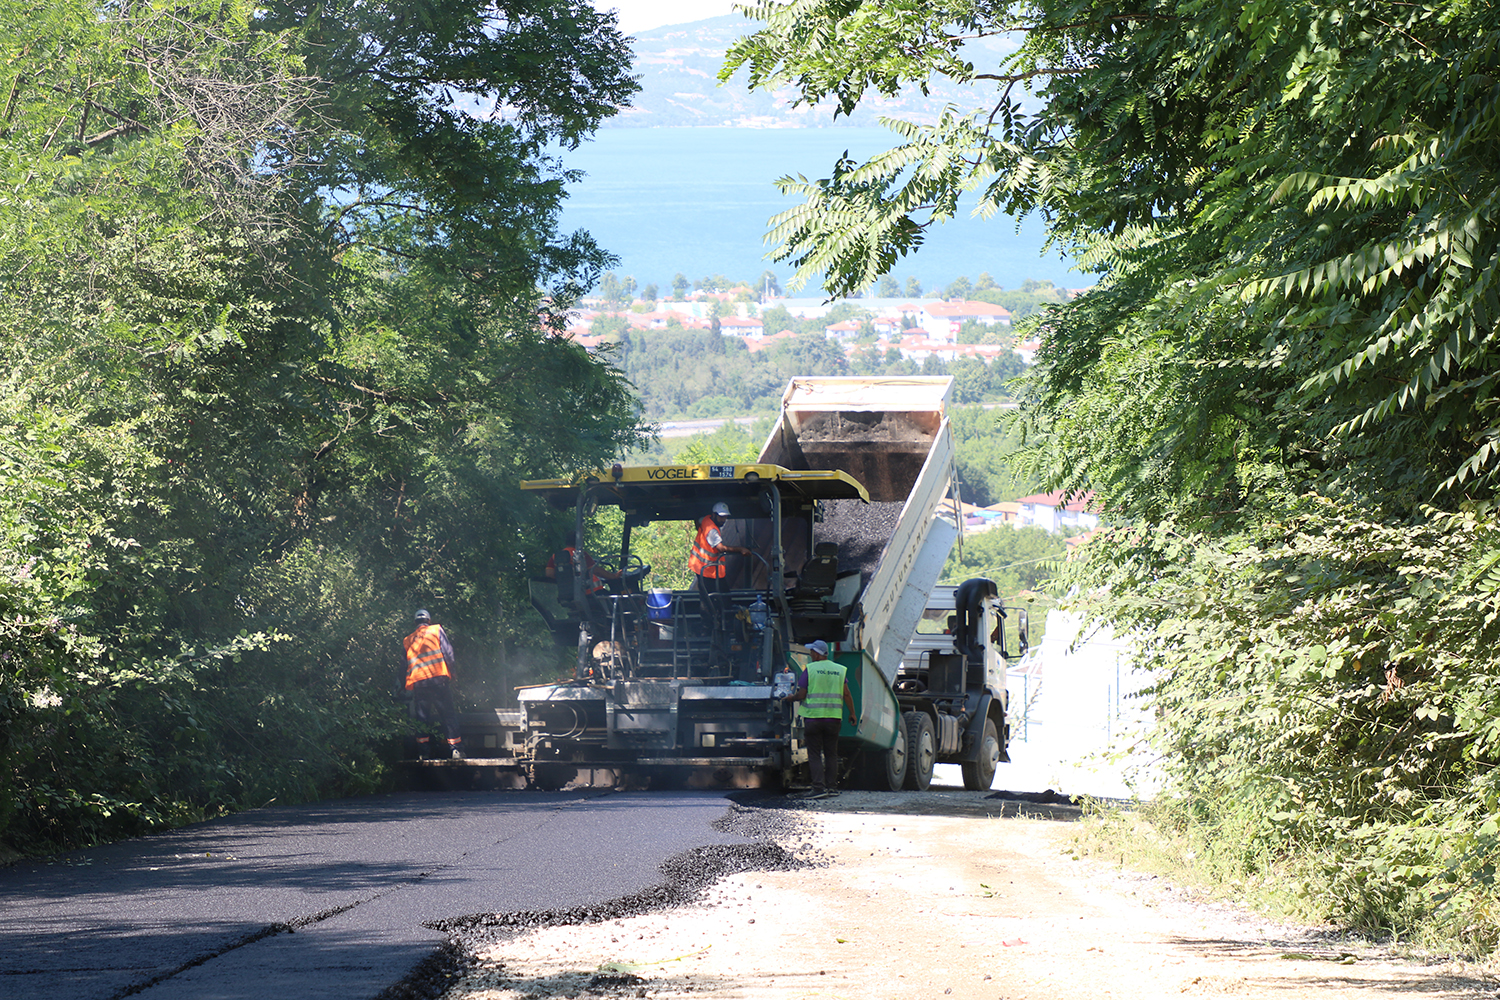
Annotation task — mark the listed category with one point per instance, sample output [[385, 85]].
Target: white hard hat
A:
[[721, 509]]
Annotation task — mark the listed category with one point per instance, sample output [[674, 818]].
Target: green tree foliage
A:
[[1329, 700], [1315, 307], [700, 373], [612, 291], [958, 288], [976, 381], [1017, 559], [270, 313], [1288, 354]]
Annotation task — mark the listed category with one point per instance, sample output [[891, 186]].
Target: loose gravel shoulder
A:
[[907, 896]]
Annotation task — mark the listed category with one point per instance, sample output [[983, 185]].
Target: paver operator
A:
[[823, 693], [706, 559], [429, 683], [564, 564], [707, 562]]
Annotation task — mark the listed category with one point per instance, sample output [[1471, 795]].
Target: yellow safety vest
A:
[[825, 691]]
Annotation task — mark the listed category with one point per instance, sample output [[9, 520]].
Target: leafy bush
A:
[[1329, 703]]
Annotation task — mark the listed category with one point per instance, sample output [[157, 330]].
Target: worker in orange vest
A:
[[706, 558], [429, 687]]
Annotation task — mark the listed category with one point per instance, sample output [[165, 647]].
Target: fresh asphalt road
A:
[[327, 899]]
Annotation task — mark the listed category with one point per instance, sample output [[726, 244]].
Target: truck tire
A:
[[885, 770], [979, 774], [921, 750]]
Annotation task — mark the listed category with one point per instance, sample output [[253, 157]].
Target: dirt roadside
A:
[[948, 895]]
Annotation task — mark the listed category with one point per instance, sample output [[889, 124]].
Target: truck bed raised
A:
[[893, 436]]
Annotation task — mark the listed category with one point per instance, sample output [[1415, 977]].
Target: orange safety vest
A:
[[424, 654], [707, 559]]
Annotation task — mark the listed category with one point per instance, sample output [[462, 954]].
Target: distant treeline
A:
[[1024, 302], [683, 373]]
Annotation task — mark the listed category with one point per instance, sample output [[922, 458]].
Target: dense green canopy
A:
[[1289, 206], [277, 295], [1281, 391]]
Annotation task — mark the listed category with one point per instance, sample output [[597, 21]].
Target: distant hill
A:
[[679, 67]]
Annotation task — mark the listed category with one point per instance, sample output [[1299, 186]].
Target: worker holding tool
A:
[[429, 689], [706, 559], [820, 689]]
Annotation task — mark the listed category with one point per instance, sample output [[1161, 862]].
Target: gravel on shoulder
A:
[[897, 897]]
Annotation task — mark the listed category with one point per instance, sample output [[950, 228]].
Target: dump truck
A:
[[843, 517]]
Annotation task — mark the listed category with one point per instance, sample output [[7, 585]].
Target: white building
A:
[[1047, 511], [942, 320], [741, 326]]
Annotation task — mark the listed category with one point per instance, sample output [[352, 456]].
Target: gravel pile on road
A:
[[757, 815], [687, 877], [688, 874]]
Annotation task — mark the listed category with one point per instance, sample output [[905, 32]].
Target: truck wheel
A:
[[921, 750], [979, 774], [885, 770]]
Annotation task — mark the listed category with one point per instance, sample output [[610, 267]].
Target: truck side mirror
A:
[[1023, 629]]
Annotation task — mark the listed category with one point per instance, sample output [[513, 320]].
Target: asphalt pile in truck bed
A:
[[884, 451], [861, 530], [859, 427]]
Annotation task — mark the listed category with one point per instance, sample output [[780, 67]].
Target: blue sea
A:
[[697, 200]]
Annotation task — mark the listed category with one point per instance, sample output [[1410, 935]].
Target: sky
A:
[[643, 15]]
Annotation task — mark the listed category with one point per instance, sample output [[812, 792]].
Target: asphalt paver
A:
[[327, 899]]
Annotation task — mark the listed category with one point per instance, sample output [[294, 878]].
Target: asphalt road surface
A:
[[327, 899]]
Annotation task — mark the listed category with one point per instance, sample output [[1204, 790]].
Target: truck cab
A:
[[951, 685]]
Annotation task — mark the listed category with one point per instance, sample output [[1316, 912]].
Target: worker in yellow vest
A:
[[822, 695], [429, 683]]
